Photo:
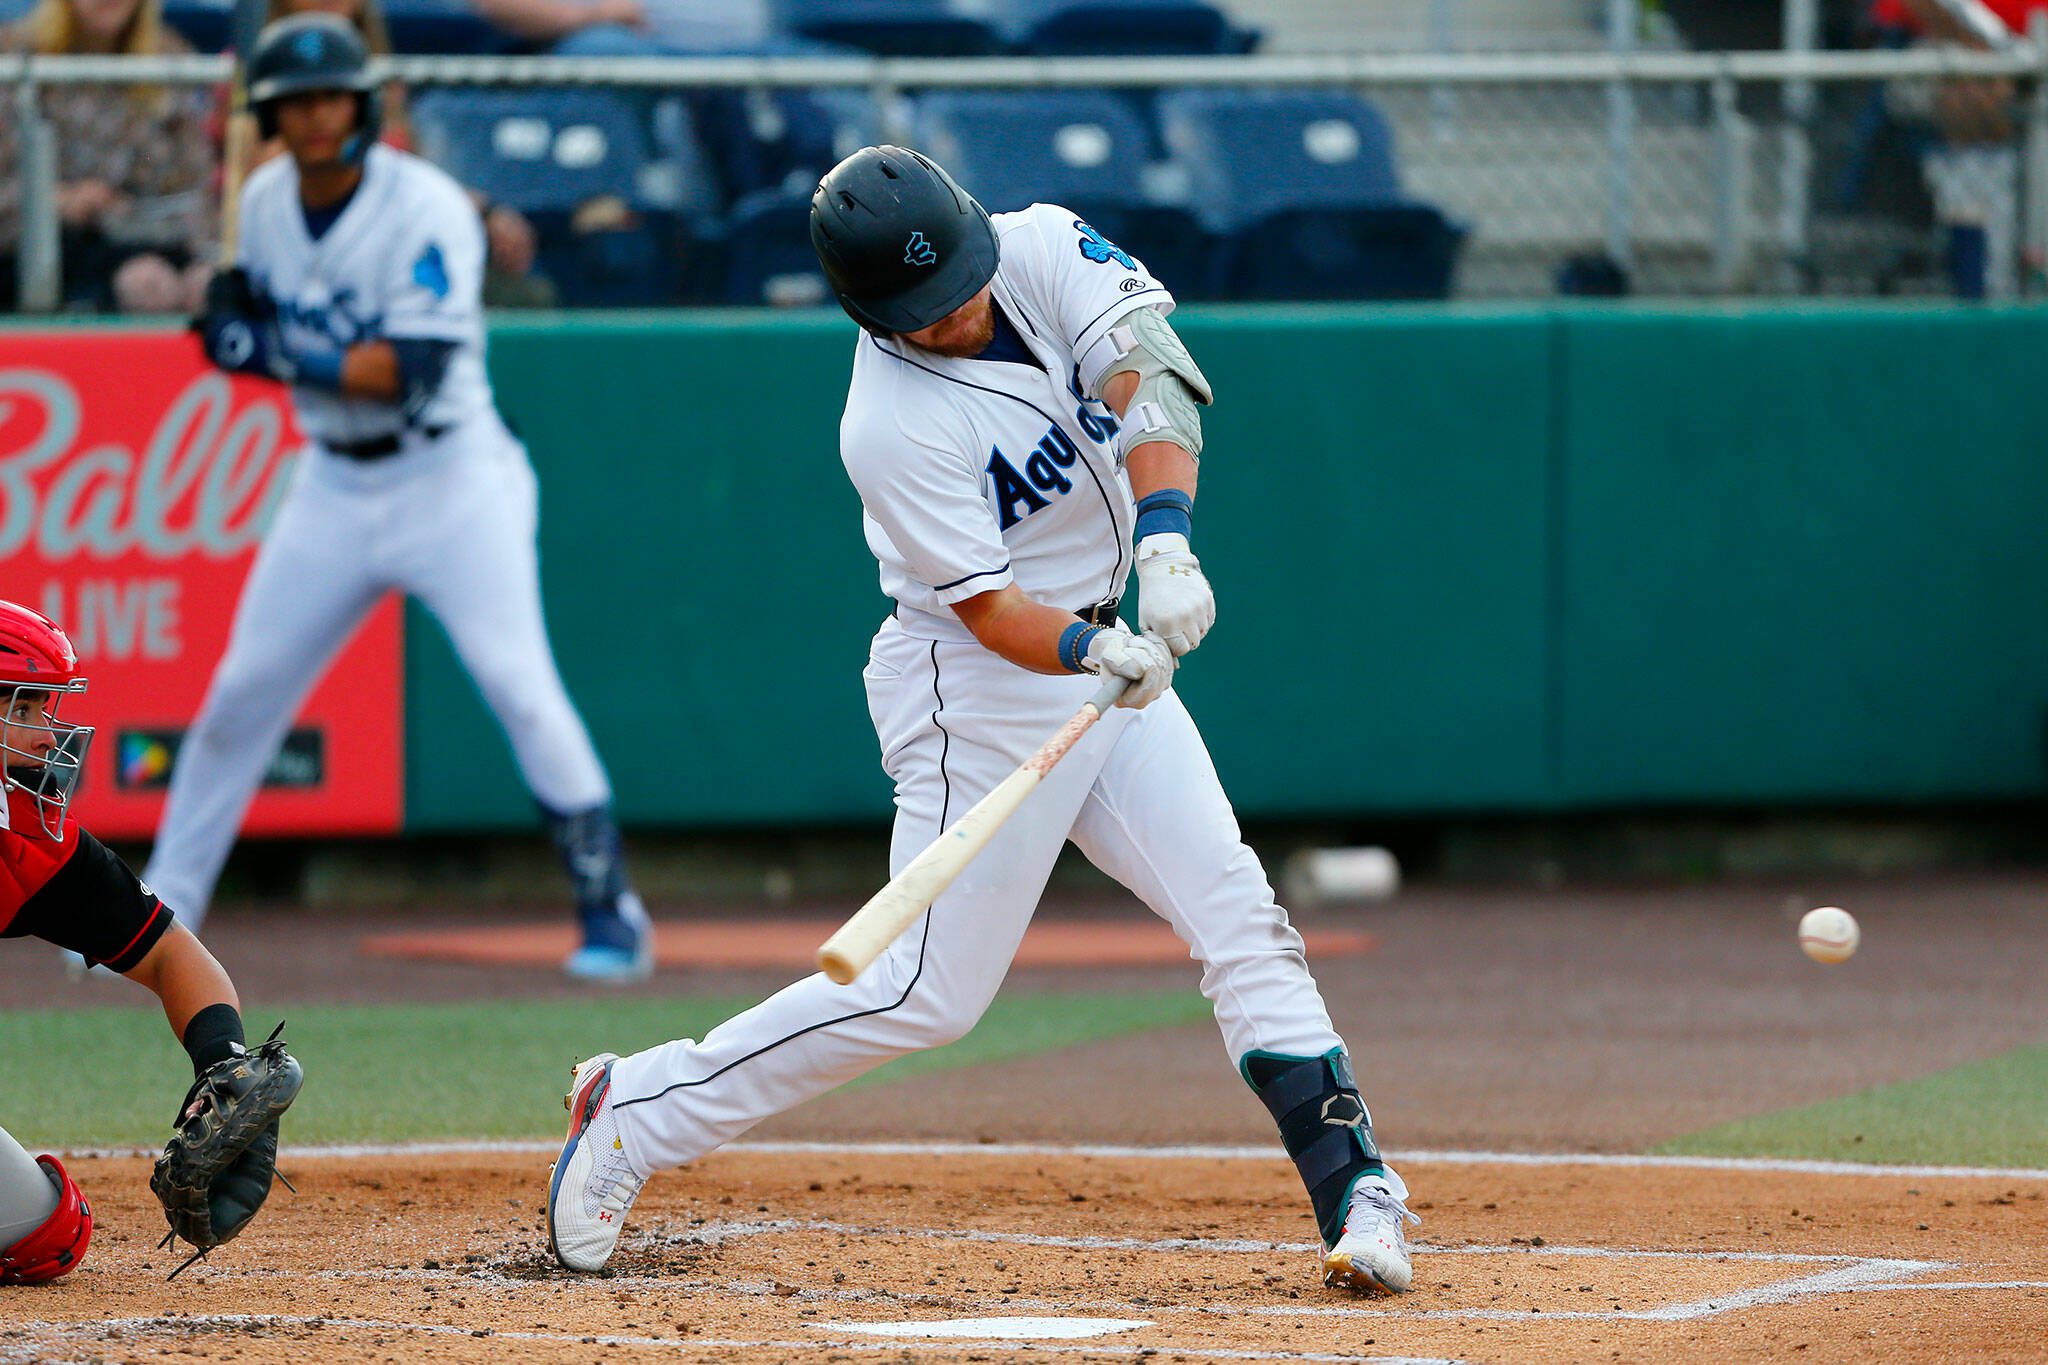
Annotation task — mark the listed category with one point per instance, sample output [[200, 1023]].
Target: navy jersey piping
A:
[[924, 940], [1122, 571]]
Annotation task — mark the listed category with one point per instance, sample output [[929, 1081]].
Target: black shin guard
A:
[[1323, 1124]]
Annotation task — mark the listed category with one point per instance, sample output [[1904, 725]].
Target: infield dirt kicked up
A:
[[952, 1253]]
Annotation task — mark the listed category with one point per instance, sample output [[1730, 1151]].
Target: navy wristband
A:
[[320, 369], [1168, 510], [1074, 645]]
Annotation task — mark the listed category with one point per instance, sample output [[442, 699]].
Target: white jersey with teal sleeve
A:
[[405, 260], [978, 473]]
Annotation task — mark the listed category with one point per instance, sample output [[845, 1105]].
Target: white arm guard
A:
[[1170, 385]]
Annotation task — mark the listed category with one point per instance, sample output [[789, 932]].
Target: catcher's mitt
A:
[[215, 1172]]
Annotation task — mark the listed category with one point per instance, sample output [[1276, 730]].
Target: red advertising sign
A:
[[136, 482]]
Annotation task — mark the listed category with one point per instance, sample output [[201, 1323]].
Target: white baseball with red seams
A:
[[1829, 934]]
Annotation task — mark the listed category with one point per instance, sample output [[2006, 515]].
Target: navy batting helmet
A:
[[308, 52], [901, 244]]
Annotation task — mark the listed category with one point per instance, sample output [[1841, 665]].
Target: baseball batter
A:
[[1022, 425], [358, 285]]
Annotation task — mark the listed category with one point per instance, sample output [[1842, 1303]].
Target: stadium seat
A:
[[439, 27], [1084, 149], [768, 257], [11, 10], [897, 28], [202, 23], [1067, 28], [1303, 186], [560, 157]]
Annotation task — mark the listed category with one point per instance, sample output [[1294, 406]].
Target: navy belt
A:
[[1102, 613], [380, 447]]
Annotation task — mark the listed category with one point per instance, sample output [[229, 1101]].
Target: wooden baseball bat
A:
[[238, 143], [894, 908]]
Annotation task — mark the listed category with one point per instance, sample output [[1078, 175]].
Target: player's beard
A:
[[967, 341]]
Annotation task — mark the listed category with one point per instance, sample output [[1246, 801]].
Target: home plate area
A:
[[890, 1252]]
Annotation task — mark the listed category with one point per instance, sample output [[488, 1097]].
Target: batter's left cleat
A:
[[618, 943], [1371, 1257], [591, 1185]]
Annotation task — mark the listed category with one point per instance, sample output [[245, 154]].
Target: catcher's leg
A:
[[45, 1223]]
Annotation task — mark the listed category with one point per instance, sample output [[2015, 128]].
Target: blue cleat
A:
[[618, 943]]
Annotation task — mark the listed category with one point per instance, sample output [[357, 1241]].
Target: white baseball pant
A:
[[1138, 795]]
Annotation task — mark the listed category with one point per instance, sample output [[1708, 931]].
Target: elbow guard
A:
[[1171, 387], [422, 364]]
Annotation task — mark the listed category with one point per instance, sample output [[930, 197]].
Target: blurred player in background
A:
[[1023, 429], [60, 884], [357, 285]]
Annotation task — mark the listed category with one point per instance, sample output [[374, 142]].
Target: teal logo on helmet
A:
[[308, 46], [917, 251]]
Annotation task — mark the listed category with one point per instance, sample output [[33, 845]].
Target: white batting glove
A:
[[1144, 659], [1175, 601]]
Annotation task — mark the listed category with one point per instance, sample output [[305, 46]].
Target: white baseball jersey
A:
[[975, 474], [448, 517], [404, 260]]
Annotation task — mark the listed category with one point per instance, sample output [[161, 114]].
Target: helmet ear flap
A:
[[266, 120]]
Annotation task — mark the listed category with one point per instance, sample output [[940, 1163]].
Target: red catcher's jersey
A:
[[28, 856]]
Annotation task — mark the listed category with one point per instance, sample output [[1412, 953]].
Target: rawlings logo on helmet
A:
[[917, 251]]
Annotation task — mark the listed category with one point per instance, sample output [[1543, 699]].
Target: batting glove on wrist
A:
[[1175, 601], [1144, 659], [244, 345]]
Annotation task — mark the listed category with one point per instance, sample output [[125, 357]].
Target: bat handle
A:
[[1106, 695]]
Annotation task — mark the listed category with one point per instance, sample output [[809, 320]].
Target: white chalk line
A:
[[116, 1326], [1761, 1165], [1845, 1274]]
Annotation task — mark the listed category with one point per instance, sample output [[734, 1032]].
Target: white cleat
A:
[[1371, 1257], [590, 1186]]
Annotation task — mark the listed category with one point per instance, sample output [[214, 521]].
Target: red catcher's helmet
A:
[[59, 1244], [42, 757]]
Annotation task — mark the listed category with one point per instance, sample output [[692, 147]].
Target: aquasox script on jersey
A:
[[115, 523]]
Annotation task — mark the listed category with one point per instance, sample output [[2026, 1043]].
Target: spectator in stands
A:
[[633, 28], [1971, 162], [135, 168]]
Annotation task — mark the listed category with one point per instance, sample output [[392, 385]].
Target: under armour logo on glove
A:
[[917, 251]]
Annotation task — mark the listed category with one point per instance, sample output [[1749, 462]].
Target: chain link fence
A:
[[1660, 174]]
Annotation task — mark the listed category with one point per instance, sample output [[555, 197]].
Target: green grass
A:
[[1990, 1113], [405, 1073]]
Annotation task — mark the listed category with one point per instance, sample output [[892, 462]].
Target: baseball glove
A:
[[215, 1172]]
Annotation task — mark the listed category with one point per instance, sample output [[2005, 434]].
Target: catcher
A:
[[59, 883]]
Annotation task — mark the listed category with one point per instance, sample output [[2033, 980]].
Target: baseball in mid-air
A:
[[1829, 934]]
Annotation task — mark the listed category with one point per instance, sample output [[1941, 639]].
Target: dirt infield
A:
[[760, 1255]]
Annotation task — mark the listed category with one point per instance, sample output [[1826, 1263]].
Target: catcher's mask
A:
[[41, 755]]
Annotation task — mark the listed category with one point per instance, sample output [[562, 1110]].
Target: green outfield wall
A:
[[1512, 560]]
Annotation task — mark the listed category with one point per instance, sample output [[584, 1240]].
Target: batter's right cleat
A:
[[618, 943], [591, 1185], [1371, 1257]]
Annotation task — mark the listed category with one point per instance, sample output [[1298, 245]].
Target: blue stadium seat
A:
[[537, 149], [549, 153], [1056, 28], [202, 23], [11, 10], [439, 27], [768, 256], [1087, 150], [1304, 186], [897, 28]]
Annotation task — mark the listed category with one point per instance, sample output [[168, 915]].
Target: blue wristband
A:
[[319, 369], [1168, 510], [1074, 645]]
